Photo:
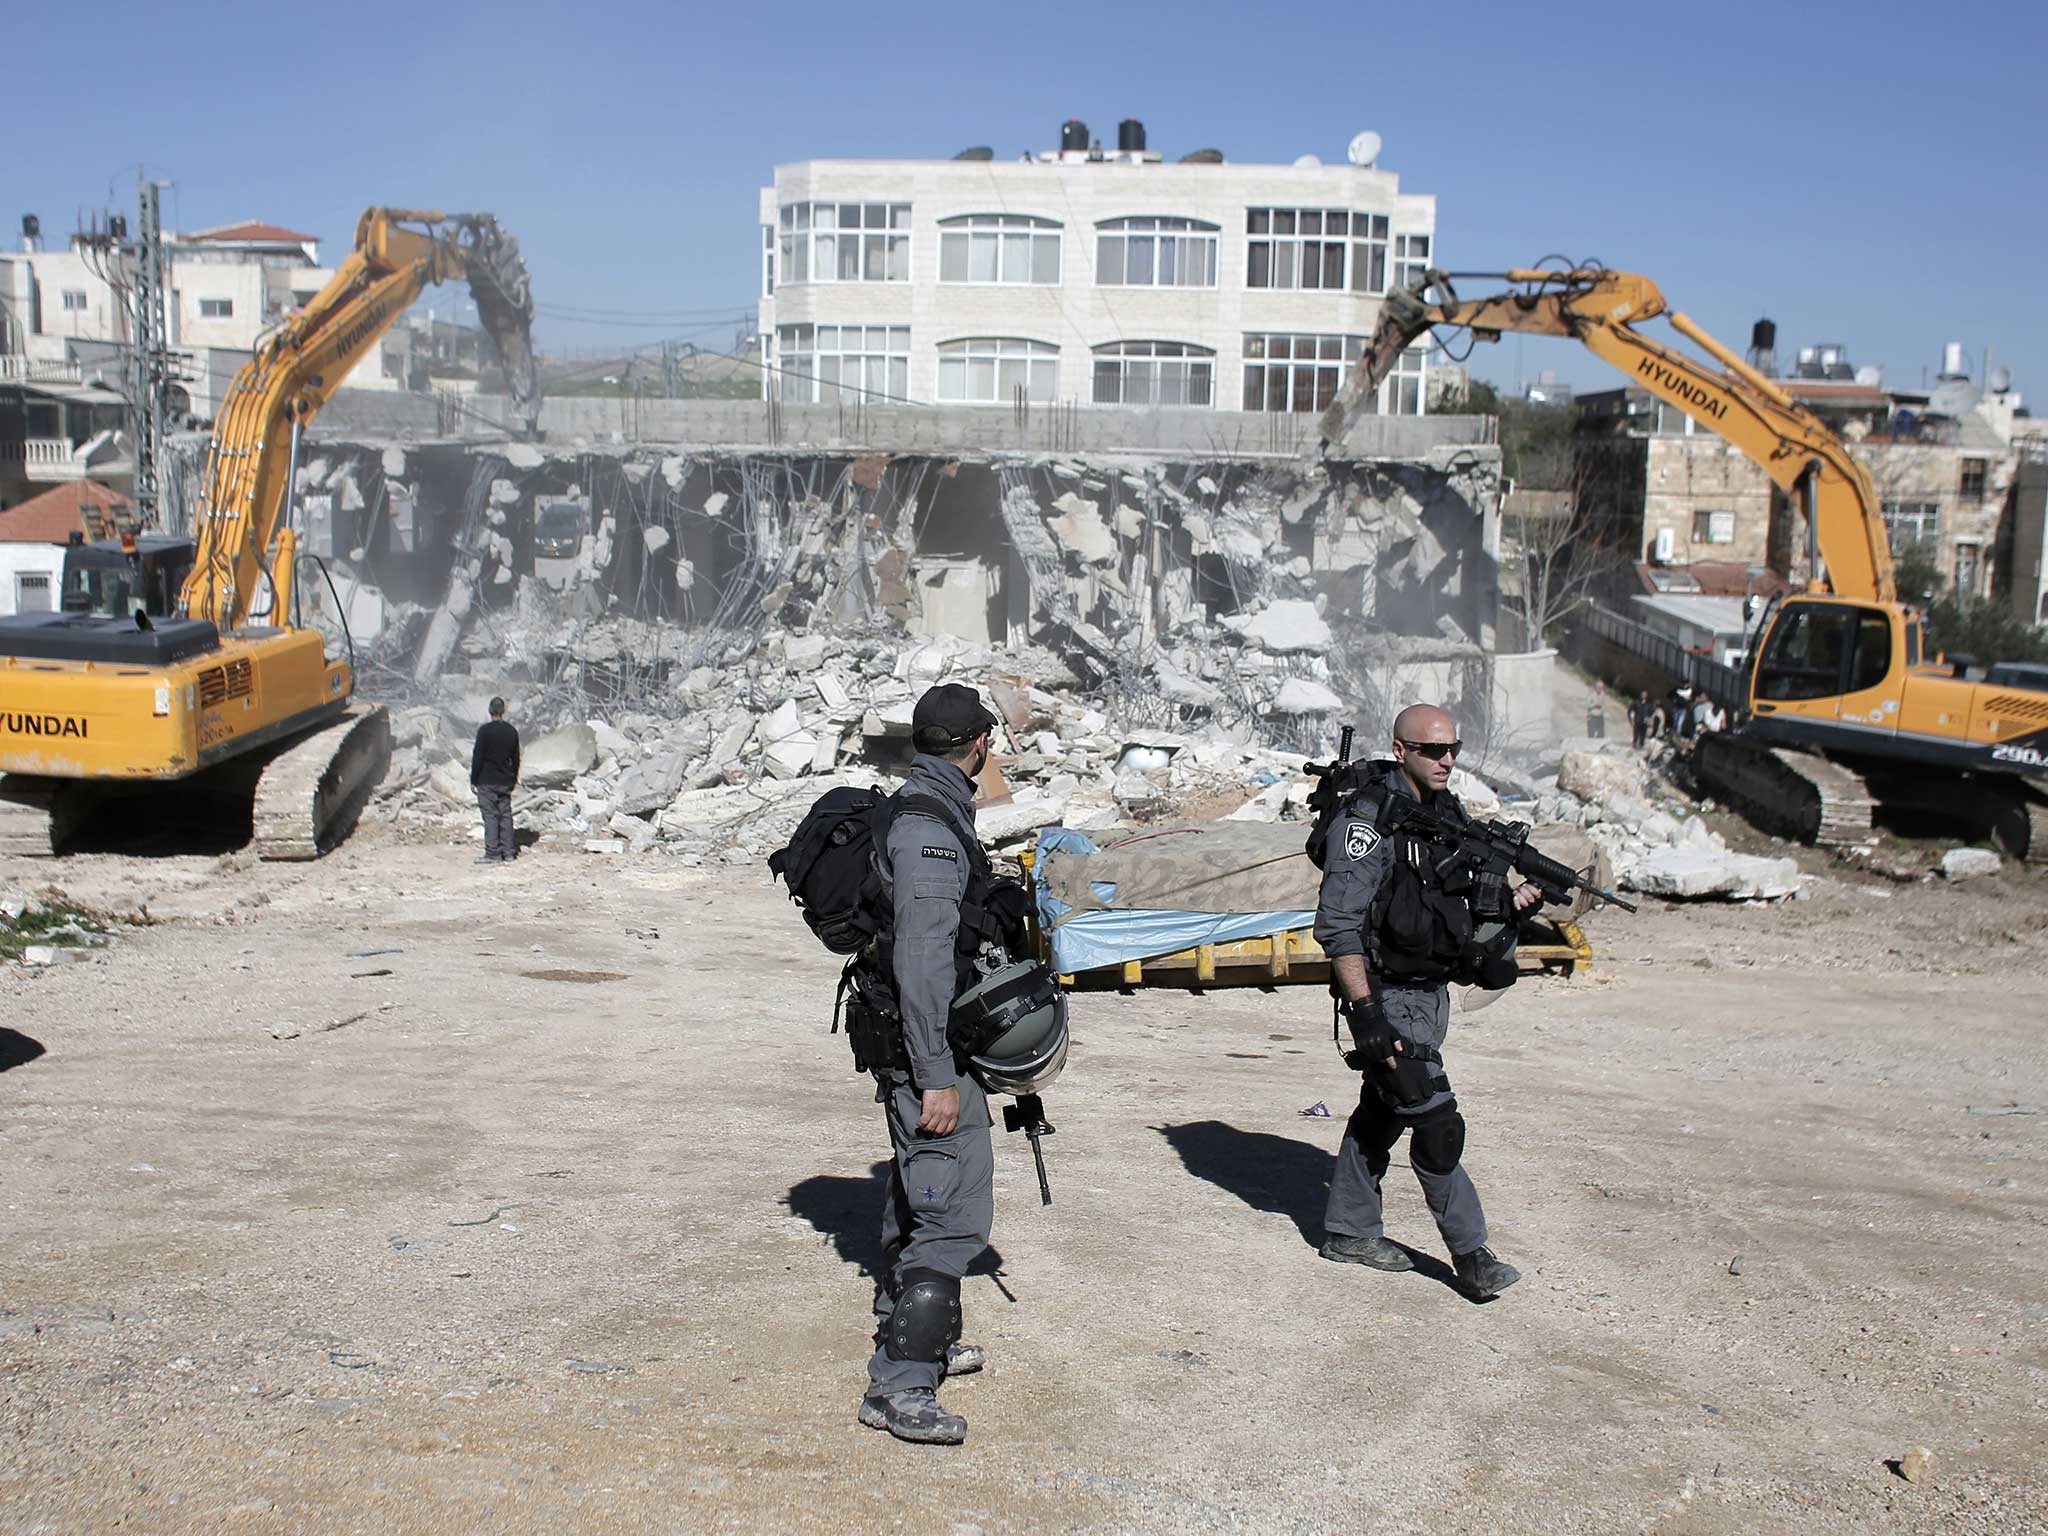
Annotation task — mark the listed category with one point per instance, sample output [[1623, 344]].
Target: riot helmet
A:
[[1011, 1026], [1488, 960]]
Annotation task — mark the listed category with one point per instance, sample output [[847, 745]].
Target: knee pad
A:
[[1439, 1140], [926, 1318]]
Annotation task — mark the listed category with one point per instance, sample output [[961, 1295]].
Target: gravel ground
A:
[[552, 1219]]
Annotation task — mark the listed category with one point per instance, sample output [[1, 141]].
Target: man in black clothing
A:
[[1639, 716], [493, 770]]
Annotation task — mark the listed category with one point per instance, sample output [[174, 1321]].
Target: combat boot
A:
[[1482, 1276], [965, 1359], [1375, 1251], [913, 1414]]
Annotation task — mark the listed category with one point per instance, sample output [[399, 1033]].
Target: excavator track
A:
[[1798, 795], [2022, 829], [312, 792], [31, 815]]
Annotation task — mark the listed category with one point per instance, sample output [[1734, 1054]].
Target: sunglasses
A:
[[1435, 751]]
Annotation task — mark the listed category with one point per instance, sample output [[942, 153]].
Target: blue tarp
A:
[[1090, 939]]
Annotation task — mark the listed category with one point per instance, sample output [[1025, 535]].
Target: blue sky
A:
[[1870, 174]]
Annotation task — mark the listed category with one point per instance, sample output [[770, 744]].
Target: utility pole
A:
[[151, 371]]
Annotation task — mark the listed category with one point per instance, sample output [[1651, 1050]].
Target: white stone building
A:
[[1084, 276]]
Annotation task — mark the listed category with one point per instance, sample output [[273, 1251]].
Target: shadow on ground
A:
[[849, 1212], [1268, 1173], [17, 1049], [1277, 1174]]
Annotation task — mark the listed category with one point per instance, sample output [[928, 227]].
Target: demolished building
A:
[[759, 589]]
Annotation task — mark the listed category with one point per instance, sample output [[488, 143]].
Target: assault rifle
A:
[[1478, 855], [1486, 853]]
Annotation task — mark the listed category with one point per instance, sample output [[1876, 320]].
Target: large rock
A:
[[1968, 863], [1692, 874], [1305, 696], [804, 653], [1027, 811], [1600, 776], [554, 761], [1292, 624], [649, 786], [788, 748], [450, 780], [1475, 794]]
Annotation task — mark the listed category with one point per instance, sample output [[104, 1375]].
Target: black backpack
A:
[[830, 868]]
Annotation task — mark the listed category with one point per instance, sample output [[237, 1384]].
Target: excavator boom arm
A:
[[1600, 310], [297, 369]]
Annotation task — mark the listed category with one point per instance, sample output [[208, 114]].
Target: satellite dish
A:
[[2001, 381], [1870, 375], [1364, 150], [1307, 160]]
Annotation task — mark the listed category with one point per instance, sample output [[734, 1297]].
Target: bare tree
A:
[[1550, 549]]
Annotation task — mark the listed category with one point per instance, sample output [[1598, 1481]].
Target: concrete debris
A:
[[1692, 874], [1600, 775], [1305, 696], [1286, 626], [1968, 863], [554, 761], [1917, 1464]]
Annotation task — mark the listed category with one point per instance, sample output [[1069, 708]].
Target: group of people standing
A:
[[1683, 715]]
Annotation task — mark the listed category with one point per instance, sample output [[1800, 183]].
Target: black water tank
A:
[[1074, 137], [1130, 136], [1763, 336], [31, 226]]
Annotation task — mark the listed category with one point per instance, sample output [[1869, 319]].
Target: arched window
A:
[[999, 248], [1154, 373], [1155, 253], [990, 370]]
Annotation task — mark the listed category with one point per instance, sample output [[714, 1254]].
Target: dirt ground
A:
[[400, 1194]]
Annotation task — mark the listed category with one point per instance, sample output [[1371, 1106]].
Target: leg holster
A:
[[1416, 1076], [873, 1027]]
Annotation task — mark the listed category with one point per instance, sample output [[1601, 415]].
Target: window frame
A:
[[1703, 525], [1153, 358], [999, 231], [1361, 255], [807, 230], [216, 309], [1155, 233], [808, 385], [993, 353], [66, 295], [1973, 481]]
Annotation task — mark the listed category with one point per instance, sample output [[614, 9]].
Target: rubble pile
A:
[[723, 767], [1655, 841]]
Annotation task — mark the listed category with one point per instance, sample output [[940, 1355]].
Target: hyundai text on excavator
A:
[[1845, 708], [225, 691]]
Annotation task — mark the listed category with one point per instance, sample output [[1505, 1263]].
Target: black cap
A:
[[947, 717]]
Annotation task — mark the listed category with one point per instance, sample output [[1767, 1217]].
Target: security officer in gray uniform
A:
[[1399, 1019], [941, 1201]]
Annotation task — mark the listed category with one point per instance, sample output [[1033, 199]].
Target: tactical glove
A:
[[1371, 1035]]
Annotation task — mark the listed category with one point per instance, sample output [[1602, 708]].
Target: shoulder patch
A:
[[942, 853], [1360, 838]]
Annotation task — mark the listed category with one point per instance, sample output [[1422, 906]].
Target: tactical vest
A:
[[1416, 931]]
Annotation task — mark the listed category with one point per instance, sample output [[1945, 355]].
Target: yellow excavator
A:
[[225, 691], [1846, 708]]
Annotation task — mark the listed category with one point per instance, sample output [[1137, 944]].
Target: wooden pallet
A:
[[1294, 958]]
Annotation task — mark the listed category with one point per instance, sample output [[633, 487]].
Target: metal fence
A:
[[1726, 686]]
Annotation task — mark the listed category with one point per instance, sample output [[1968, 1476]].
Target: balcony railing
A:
[[44, 458], [34, 370]]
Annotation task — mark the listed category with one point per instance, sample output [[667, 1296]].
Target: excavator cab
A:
[[116, 578], [1829, 663]]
